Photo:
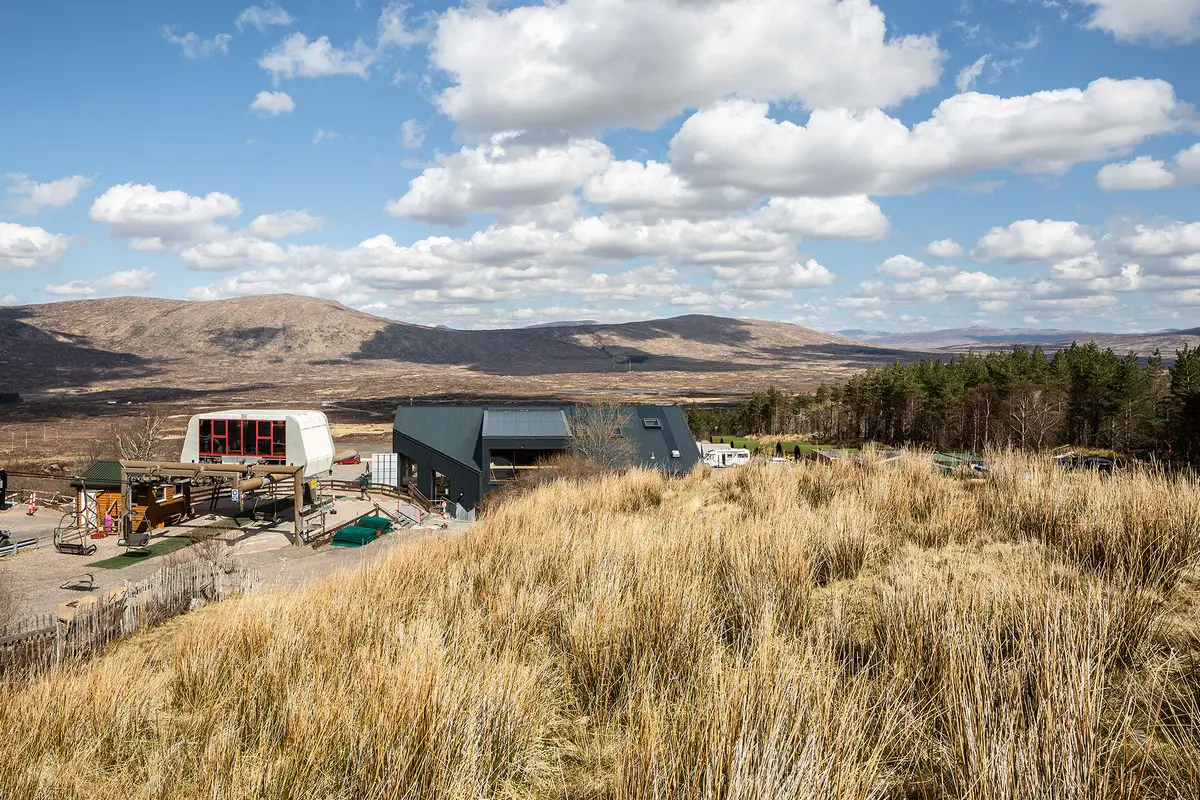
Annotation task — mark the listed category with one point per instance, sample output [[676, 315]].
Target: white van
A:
[[727, 457]]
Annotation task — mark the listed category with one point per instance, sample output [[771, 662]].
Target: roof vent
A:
[[674, 454], [651, 422]]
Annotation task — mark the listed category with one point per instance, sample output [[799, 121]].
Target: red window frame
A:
[[261, 434]]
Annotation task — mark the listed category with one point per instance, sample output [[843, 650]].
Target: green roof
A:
[[103, 474]]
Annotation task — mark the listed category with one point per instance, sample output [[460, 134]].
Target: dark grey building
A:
[[464, 452]]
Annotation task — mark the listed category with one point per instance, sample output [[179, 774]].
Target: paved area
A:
[[33, 580]]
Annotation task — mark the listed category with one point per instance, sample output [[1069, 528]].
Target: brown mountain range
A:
[[320, 348]]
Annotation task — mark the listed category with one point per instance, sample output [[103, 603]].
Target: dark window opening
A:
[[651, 422], [505, 466], [265, 438], [441, 486]]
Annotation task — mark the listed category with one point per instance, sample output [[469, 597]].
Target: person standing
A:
[[108, 523]]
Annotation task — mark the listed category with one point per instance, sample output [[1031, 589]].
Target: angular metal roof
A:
[[525, 423], [451, 430], [669, 445], [457, 431]]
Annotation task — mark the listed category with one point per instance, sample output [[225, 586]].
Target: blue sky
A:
[[889, 165]]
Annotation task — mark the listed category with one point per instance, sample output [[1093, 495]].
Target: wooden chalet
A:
[[155, 504]]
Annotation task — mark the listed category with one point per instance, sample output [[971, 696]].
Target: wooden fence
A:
[[49, 639]]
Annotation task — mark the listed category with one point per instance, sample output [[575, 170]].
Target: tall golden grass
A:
[[773, 632]]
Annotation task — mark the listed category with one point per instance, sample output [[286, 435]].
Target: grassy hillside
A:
[[808, 632]]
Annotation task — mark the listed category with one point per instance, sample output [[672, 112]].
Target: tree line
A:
[[1083, 396]]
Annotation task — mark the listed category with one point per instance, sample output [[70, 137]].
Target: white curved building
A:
[[269, 436]]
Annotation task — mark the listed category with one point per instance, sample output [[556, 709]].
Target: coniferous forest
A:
[[1082, 396]]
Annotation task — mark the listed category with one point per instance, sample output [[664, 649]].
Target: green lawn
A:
[[163, 546]]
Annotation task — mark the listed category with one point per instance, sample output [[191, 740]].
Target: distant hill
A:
[[259, 341], [564, 324], [961, 340], [950, 337]]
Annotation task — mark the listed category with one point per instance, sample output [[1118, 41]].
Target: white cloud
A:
[[1086, 267], [915, 282], [412, 134], [325, 136], [944, 248], [22, 247], [297, 57], [272, 104], [838, 151], [393, 27], [1030, 240], [1159, 240], [498, 175], [32, 197], [512, 262], [123, 282], [729, 240], [967, 76], [284, 224], [591, 64], [1144, 172], [901, 268], [263, 17], [853, 217], [651, 190], [766, 280], [1187, 164], [1175, 21], [236, 251], [9, 299], [157, 220], [193, 46]]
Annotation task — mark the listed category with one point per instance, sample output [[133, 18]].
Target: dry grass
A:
[[804, 632]]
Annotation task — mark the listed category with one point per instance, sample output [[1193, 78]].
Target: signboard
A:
[[233, 495]]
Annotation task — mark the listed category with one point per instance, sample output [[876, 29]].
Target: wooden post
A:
[[298, 493]]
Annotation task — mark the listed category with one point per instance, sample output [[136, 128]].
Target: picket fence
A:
[[46, 640]]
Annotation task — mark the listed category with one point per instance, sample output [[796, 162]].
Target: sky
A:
[[889, 165]]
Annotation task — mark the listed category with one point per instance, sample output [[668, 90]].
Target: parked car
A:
[[354, 459]]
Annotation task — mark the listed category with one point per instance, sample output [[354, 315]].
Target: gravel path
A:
[[32, 581]]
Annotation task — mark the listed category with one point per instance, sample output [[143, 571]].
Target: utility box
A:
[[384, 469]]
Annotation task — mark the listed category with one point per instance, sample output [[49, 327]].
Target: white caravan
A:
[[727, 457]]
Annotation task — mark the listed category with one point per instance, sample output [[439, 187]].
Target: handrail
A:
[[410, 493], [421, 499]]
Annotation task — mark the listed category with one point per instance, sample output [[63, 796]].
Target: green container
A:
[[354, 536], [382, 524]]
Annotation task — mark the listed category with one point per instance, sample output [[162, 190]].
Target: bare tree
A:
[[1033, 415], [142, 439], [596, 435]]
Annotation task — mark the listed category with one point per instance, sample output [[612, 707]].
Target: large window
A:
[[264, 438], [505, 466]]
